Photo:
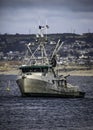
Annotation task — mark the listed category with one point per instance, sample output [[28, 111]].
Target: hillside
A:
[[17, 42], [77, 49]]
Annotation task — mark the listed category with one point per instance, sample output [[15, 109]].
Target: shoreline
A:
[[71, 73], [79, 73], [10, 72], [11, 68]]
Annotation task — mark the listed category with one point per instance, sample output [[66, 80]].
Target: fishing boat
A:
[[38, 76]]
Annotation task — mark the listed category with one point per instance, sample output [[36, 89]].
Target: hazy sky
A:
[[24, 16]]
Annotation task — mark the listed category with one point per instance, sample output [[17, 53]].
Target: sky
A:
[[62, 16]]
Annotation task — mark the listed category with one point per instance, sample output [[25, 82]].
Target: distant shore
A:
[[10, 72], [73, 72], [11, 68], [79, 73]]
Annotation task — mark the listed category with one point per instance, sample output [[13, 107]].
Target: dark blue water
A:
[[18, 113]]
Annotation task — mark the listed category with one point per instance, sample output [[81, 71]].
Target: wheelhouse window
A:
[[34, 69]]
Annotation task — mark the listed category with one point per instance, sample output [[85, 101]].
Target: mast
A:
[[41, 41]]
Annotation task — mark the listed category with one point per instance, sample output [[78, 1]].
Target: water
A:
[[18, 113]]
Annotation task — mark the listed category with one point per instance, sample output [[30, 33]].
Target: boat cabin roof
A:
[[34, 68]]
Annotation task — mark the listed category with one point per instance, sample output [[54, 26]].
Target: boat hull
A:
[[39, 88]]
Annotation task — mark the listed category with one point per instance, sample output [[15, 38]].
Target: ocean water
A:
[[30, 113]]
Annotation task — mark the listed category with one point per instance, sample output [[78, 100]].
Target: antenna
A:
[[46, 29]]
